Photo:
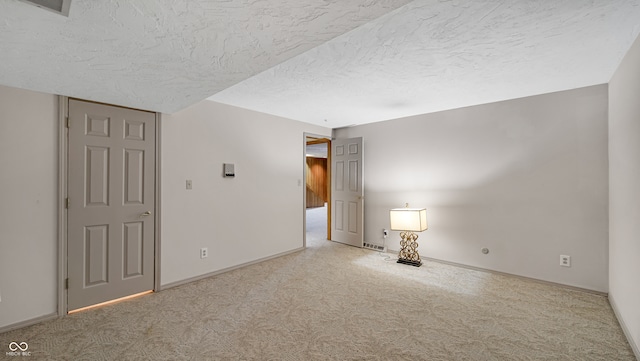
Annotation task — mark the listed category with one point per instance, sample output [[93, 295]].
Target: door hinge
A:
[[68, 122], [67, 202], [66, 284]]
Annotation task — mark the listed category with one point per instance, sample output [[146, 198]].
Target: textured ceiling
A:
[[433, 55], [164, 55], [331, 62]]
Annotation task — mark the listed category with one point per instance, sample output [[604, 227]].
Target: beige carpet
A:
[[335, 302]]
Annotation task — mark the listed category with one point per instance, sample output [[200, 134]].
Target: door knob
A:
[[147, 213]]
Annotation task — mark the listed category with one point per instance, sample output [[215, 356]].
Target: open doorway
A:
[[318, 189]]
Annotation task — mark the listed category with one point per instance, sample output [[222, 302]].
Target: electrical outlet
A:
[[189, 184], [204, 253], [565, 261]]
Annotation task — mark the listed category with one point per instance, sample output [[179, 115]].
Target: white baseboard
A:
[[224, 270], [599, 293], [632, 343], [29, 322]]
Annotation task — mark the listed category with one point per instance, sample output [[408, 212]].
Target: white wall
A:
[[526, 178], [624, 194], [257, 214], [28, 196]]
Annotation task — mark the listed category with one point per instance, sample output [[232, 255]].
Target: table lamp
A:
[[408, 220]]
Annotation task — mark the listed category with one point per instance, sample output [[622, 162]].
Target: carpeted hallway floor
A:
[[335, 302]]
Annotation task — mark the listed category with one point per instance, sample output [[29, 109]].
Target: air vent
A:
[[374, 247], [57, 6]]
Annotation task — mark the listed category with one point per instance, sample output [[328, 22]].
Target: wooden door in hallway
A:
[[111, 188]]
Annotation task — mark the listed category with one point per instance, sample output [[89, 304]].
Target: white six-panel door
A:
[[111, 188], [347, 191]]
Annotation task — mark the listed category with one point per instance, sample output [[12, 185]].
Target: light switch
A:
[[189, 184], [229, 170]]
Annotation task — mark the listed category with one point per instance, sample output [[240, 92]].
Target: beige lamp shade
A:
[[408, 219]]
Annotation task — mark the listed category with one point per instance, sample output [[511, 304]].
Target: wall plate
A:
[[229, 170]]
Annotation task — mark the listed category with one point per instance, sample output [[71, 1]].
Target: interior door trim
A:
[[158, 210], [324, 139], [63, 166], [63, 110]]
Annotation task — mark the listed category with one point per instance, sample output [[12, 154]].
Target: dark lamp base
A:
[[410, 262]]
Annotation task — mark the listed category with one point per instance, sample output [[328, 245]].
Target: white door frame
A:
[[63, 167], [305, 135]]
